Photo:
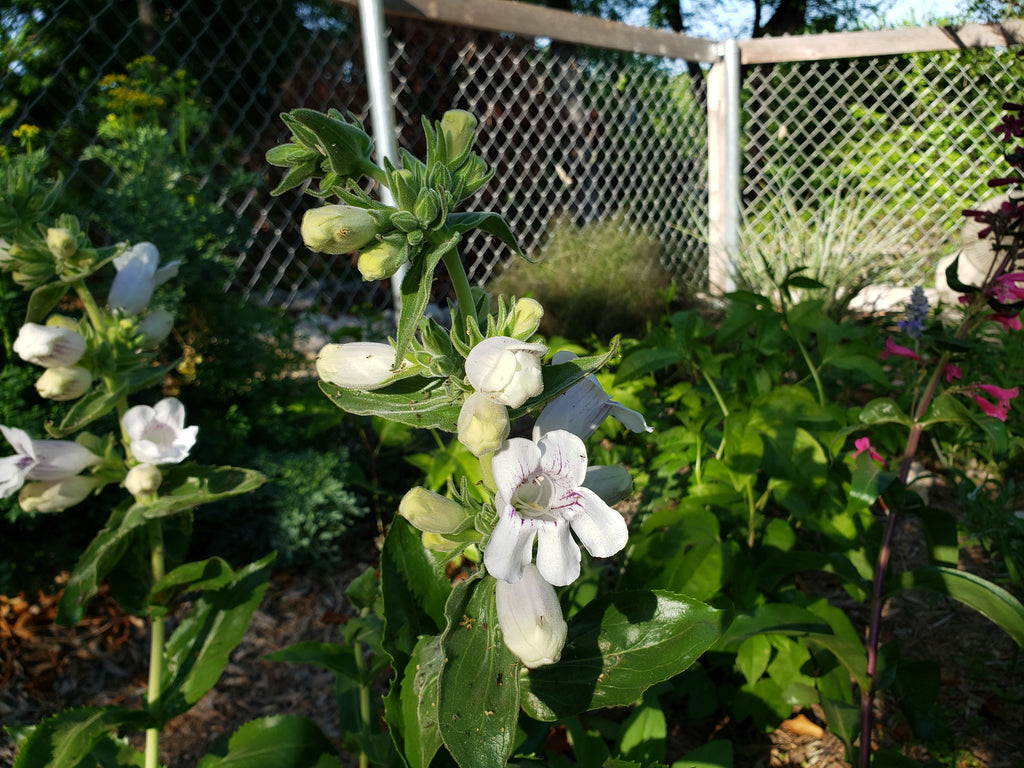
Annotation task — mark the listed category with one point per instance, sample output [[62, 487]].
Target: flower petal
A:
[[510, 546], [563, 458], [530, 617], [12, 474], [170, 411], [513, 464], [558, 556], [601, 529]]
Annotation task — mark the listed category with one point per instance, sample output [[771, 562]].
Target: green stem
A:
[[365, 703], [814, 371], [92, 309], [156, 646], [460, 281]]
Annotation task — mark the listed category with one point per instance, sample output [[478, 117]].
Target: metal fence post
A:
[[723, 168], [382, 111]]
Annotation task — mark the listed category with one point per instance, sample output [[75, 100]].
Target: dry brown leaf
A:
[[801, 726]]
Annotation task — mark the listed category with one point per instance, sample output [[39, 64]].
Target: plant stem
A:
[[365, 704], [460, 282], [814, 371], [156, 644], [92, 309]]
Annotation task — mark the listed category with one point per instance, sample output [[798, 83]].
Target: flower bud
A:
[[526, 317], [143, 480], [56, 495], [531, 618], [428, 207], [459, 129], [64, 383], [49, 345], [438, 543], [381, 260], [62, 242], [404, 221], [483, 424], [338, 229], [156, 325], [506, 370], [357, 365], [403, 187], [432, 513]]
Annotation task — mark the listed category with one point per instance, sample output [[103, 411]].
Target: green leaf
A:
[[619, 646], [416, 402], [990, 600], [339, 659], [186, 486], [112, 752], [843, 720], [43, 299], [415, 289], [643, 734], [200, 646], [478, 687], [417, 704], [646, 360], [863, 363], [95, 404], [753, 656], [714, 754], [883, 410], [869, 480], [486, 221], [211, 573], [280, 741], [945, 408], [67, 737], [415, 589]]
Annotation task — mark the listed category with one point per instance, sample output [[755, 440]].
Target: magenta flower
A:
[[1009, 322], [1006, 291], [864, 444], [953, 372], [1001, 407], [898, 350]]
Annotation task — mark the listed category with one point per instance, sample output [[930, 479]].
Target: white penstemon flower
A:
[[531, 619], [138, 274], [506, 370], [541, 496], [50, 346], [364, 365], [42, 460], [158, 434], [583, 407]]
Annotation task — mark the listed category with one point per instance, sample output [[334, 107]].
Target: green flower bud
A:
[[526, 317], [381, 260], [428, 208], [459, 129], [433, 513], [415, 237], [338, 229], [404, 221], [62, 242], [63, 383]]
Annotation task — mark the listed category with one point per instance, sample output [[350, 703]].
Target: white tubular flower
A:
[[158, 435], [531, 618], [506, 370], [540, 495], [583, 407], [56, 495], [156, 325], [362, 365], [49, 345], [44, 460], [64, 383], [138, 274], [483, 424]]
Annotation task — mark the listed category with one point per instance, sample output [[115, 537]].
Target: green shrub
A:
[[600, 278], [303, 513]]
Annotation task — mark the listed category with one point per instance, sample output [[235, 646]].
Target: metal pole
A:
[[724, 168], [382, 112]]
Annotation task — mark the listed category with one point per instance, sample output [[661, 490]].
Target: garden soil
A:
[[45, 668]]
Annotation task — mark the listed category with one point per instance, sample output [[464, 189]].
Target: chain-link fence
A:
[[573, 132]]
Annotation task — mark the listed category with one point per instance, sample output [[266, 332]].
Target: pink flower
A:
[[1001, 407], [1005, 290], [892, 348], [953, 372], [864, 444], [1009, 322]]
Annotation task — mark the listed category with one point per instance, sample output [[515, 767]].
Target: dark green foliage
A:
[[304, 512]]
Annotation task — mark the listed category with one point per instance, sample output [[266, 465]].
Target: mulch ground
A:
[[45, 668]]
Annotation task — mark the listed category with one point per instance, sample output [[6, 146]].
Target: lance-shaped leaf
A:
[[43, 299], [882, 410], [200, 646], [188, 485], [411, 706], [618, 647], [486, 221], [478, 686], [415, 290], [67, 738], [416, 402]]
